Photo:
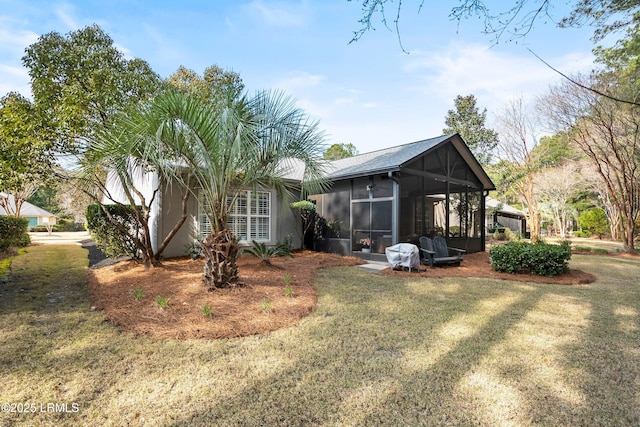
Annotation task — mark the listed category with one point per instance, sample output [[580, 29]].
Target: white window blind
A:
[[250, 217]]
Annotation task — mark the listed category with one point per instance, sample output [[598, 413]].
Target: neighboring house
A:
[[505, 216], [400, 193], [35, 215], [389, 196]]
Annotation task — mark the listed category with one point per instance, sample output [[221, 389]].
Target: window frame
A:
[[253, 216]]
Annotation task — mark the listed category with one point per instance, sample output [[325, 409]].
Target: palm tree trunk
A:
[[221, 251]]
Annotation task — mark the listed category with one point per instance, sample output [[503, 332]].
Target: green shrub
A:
[[13, 232], [594, 221], [580, 234], [67, 224], [538, 258], [108, 236]]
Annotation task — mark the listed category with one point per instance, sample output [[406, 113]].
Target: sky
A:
[[370, 93]]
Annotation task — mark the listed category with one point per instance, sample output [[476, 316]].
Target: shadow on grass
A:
[[383, 365], [377, 351], [380, 352]]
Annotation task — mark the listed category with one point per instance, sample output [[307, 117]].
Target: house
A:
[[429, 187], [505, 216], [389, 196], [259, 214], [35, 215]]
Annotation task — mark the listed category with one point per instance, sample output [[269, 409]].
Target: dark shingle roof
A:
[[387, 159]]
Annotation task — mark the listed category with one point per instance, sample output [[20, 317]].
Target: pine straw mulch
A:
[[240, 311], [235, 312], [478, 265]]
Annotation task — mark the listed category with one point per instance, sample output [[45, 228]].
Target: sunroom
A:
[[425, 188]]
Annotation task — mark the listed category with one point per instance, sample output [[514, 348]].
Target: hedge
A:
[[537, 258], [13, 232], [107, 235]]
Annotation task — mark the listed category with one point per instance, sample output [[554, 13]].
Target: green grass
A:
[[376, 351], [5, 262], [596, 245]]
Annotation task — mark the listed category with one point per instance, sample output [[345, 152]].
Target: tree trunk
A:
[[221, 251]]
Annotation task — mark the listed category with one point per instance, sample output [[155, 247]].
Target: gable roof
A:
[[393, 158], [505, 208], [27, 208]]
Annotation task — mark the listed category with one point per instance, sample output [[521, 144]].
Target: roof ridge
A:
[[368, 153]]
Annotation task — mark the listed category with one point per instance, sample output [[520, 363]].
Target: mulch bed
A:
[[477, 265], [241, 311], [235, 312]]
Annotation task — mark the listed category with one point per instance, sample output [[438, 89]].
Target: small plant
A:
[[194, 249], [206, 310], [260, 250], [266, 305], [366, 242], [162, 302], [138, 293], [284, 248], [288, 291], [287, 279]]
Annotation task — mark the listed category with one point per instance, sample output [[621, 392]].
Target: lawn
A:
[[378, 350]]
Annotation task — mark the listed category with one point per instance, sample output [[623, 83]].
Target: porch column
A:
[[483, 208], [395, 212]]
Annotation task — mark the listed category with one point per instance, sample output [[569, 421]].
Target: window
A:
[[250, 217]]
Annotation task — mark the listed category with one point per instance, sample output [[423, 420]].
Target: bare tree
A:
[[608, 132], [12, 202], [556, 186], [596, 184], [517, 141]]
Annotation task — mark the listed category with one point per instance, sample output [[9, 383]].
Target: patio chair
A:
[[436, 252]]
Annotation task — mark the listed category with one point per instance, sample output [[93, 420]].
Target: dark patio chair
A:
[[435, 252]]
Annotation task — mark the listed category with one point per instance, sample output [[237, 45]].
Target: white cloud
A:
[[63, 13], [494, 77], [343, 101], [15, 79], [15, 41], [126, 52], [278, 14], [297, 80]]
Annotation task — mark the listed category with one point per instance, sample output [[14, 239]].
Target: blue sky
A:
[[369, 93]]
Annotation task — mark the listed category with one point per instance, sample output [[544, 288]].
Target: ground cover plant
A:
[[377, 350]]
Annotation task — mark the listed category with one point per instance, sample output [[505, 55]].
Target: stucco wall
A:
[[283, 222], [171, 203]]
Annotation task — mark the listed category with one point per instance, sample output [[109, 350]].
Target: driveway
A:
[[60, 238]]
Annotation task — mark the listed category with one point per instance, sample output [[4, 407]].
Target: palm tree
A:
[[251, 142]]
